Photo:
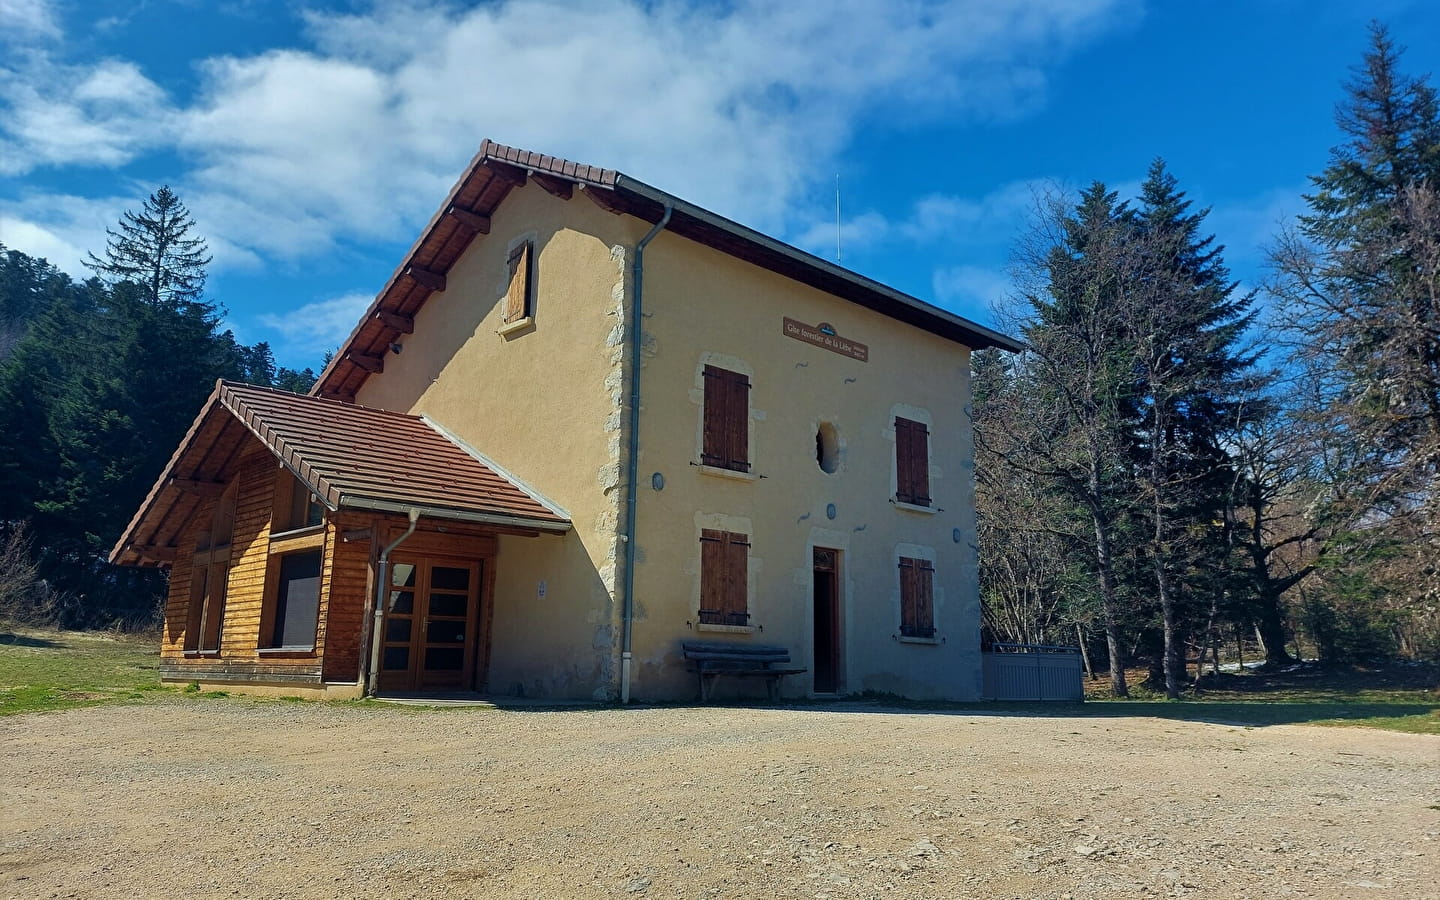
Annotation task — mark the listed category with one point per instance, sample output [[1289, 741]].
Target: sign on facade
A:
[[823, 335]]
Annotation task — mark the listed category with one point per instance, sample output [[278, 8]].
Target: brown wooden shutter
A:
[[726, 441], [924, 598], [713, 453], [912, 462], [739, 417], [917, 597], [517, 296], [907, 595], [713, 573], [737, 552]]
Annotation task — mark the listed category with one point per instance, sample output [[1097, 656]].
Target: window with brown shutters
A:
[[724, 558], [912, 462], [518, 300], [727, 420], [917, 597]]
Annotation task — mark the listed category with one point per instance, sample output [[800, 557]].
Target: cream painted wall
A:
[[543, 402], [703, 306], [547, 404]]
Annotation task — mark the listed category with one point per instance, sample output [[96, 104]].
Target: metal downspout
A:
[[632, 451], [382, 583]]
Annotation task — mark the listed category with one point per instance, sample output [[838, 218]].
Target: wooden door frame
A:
[[480, 613]]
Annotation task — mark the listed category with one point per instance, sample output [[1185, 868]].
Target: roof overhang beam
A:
[[500, 522]]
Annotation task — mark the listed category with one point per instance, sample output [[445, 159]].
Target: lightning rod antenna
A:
[[837, 217]]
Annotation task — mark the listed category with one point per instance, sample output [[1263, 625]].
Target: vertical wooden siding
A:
[[345, 587], [177, 601], [258, 473]]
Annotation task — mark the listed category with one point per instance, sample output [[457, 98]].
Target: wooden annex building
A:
[[501, 485]]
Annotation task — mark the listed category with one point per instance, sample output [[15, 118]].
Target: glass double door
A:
[[431, 629]]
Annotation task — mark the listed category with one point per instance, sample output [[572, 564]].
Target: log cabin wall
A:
[[247, 587], [177, 601], [348, 582]]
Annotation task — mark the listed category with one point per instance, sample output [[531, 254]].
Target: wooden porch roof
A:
[[496, 169], [349, 456]]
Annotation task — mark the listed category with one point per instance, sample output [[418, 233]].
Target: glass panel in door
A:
[[396, 654], [445, 644]]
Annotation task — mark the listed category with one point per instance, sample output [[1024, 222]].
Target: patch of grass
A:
[[1394, 698], [42, 670]]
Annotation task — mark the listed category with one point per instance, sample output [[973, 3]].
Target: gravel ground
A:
[[195, 797]]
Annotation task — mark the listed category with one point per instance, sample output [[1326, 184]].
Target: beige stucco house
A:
[[481, 495]]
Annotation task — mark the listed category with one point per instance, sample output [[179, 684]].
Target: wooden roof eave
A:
[[328, 494], [500, 522], [375, 308], [620, 194]]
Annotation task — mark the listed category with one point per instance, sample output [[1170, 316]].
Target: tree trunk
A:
[[1104, 562], [1084, 652], [1271, 629]]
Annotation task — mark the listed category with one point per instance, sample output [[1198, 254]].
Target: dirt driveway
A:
[[193, 797]]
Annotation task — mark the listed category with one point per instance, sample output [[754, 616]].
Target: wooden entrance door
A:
[[431, 630], [827, 620]]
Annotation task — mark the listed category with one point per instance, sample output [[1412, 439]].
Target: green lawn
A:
[[42, 669], [1395, 697]]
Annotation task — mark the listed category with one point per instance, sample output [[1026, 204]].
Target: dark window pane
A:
[[448, 578], [444, 659], [402, 575], [402, 602], [445, 632], [397, 630], [397, 659], [297, 605], [449, 604]]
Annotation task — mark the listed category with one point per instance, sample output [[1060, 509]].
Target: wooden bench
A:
[[710, 660]]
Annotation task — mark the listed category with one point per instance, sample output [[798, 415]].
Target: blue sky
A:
[[312, 141]]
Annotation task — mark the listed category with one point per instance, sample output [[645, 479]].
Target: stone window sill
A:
[[906, 639], [732, 474], [730, 629], [517, 326], [915, 508], [286, 651]]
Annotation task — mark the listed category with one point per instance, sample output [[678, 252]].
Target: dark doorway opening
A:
[[827, 620]]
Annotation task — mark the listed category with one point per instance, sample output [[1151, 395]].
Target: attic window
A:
[[519, 303]]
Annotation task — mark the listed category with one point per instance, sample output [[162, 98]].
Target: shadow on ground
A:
[[25, 640]]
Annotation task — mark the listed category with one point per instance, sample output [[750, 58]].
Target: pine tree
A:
[[153, 249], [1076, 392], [1359, 284], [1184, 322]]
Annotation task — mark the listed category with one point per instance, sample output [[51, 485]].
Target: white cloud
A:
[[103, 114], [934, 219], [27, 20], [310, 330], [355, 136], [59, 227], [43, 242], [973, 289]]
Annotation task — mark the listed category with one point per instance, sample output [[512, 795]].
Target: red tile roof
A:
[[497, 169], [350, 456]]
